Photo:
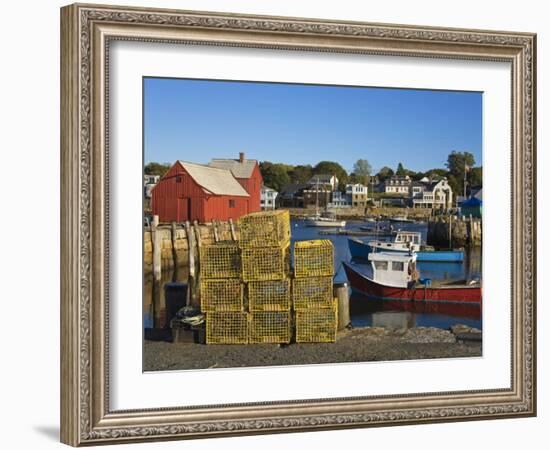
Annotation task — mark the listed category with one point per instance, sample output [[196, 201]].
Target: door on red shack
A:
[[184, 209]]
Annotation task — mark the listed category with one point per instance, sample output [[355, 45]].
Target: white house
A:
[[358, 194], [150, 179], [340, 200], [267, 198], [397, 185], [434, 194], [149, 182]]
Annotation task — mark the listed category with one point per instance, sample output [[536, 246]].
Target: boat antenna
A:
[[317, 197], [375, 235]]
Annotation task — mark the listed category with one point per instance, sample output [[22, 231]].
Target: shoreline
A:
[[367, 344]]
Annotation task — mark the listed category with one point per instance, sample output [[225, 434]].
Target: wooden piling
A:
[[232, 228], [195, 232], [215, 229], [156, 241], [157, 249], [197, 235], [450, 231], [192, 294], [174, 236], [341, 292], [191, 246]]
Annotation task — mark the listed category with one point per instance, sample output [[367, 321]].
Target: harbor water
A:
[[364, 311]]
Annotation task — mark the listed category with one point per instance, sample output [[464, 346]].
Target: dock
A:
[[337, 232]]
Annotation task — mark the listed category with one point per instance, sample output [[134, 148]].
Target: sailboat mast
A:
[[317, 197]]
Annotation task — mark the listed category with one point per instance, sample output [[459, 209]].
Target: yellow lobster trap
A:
[[265, 263], [270, 327], [312, 292], [265, 229], [313, 258], [227, 327], [221, 260], [273, 295], [317, 325], [221, 295]]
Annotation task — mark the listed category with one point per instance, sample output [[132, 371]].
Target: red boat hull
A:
[[455, 294]]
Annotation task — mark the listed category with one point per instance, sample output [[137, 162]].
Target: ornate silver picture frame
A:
[[87, 32]]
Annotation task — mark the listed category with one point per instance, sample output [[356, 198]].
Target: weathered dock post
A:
[[192, 294], [216, 232], [450, 231], [157, 248], [470, 236], [174, 237], [195, 231], [232, 228], [156, 240], [341, 292]]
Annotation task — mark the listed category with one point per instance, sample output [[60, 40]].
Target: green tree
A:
[[476, 177], [155, 168], [416, 176], [275, 175], [400, 172], [362, 170], [436, 173], [301, 174], [331, 168], [384, 173], [457, 163], [353, 179]]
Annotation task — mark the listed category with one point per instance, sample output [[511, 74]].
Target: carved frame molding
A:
[[86, 32]]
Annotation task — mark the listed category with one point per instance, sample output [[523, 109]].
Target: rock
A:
[[469, 337], [463, 329], [423, 335], [400, 331]]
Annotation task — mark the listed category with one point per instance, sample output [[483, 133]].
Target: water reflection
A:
[[363, 312]]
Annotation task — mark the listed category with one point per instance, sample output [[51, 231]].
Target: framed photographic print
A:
[[276, 224]]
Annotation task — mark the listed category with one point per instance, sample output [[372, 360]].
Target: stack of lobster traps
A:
[[248, 292], [222, 294], [316, 311], [265, 252], [245, 286]]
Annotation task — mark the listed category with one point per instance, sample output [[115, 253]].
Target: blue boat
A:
[[456, 256], [360, 250]]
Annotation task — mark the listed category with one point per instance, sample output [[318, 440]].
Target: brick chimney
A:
[[241, 156]]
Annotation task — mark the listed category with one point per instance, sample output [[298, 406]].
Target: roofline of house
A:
[[181, 163]]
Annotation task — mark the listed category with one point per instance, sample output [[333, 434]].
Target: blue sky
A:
[[196, 120]]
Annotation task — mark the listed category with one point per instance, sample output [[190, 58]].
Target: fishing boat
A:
[[404, 242], [318, 221], [380, 230], [401, 219], [326, 220], [394, 277]]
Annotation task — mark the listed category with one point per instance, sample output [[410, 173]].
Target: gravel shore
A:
[[357, 345]]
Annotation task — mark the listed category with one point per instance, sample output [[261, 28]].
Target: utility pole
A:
[[371, 189], [465, 167]]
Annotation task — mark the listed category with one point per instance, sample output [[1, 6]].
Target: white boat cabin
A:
[[405, 241], [406, 237], [393, 269]]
